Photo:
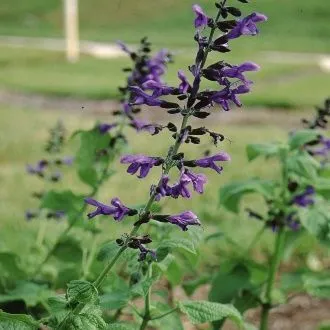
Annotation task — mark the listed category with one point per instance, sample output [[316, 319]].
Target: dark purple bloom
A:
[[157, 65], [198, 180], [184, 219], [140, 125], [247, 26], [323, 149], [306, 198], [157, 88], [140, 97], [68, 160], [144, 251], [201, 19], [163, 189], [104, 128], [37, 169], [209, 162], [236, 71], [224, 96], [292, 221], [181, 187], [142, 162], [117, 210], [184, 87]]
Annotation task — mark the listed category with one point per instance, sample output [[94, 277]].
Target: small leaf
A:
[[107, 251], [114, 300], [317, 285], [256, 150], [231, 194], [81, 291], [205, 311], [9, 266], [68, 250], [300, 138], [17, 322], [182, 243]]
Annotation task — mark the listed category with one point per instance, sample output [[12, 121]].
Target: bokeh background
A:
[[38, 86]]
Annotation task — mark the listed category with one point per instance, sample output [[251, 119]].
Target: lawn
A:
[[293, 25], [22, 135], [35, 71]]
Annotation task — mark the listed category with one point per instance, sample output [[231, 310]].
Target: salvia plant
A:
[[80, 307], [295, 203], [127, 282]]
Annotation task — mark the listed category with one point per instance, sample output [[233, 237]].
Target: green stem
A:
[[165, 314], [146, 317], [275, 262], [41, 232], [255, 240]]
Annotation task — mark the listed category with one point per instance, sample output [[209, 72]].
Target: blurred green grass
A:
[[293, 25], [34, 71], [23, 132]]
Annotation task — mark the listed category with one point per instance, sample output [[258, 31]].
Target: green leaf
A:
[[121, 326], [317, 285], [303, 165], [231, 194], [169, 322], [205, 311], [68, 250], [115, 300], [82, 291], [226, 285], [17, 322], [10, 267], [87, 159], [255, 150], [180, 244], [316, 219], [300, 138], [65, 201], [107, 251], [57, 303], [322, 187], [32, 294], [191, 286]]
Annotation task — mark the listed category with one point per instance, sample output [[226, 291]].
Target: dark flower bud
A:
[[201, 114], [243, 1], [234, 11], [189, 163], [221, 40], [210, 23], [202, 103], [178, 156], [253, 214], [223, 12], [171, 127], [182, 97], [292, 186], [132, 212], [127, 69], [168, 105], [200, 55], [198, 131], [220, 48], [224, 26], [195, 140], [119, 241], [136, 110], [116, 112], [174, 111]]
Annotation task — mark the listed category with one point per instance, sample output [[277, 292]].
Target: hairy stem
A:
[[275, 262]]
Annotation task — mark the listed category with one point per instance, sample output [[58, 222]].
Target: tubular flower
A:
[[247, 26], [209, 162], [201, 19], [117, 210], [184, 219], [305, 198], [142, 162]]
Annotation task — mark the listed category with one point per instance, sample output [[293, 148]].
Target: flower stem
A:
[[146, 316], [275, 261]]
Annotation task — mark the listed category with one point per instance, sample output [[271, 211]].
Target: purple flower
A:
[[236, 71], [37, 169], [198, 180], [158, 88], [209, 162], [68, 160], [201, 19], [224, 96], [104, 128], [184, 219], [292, 221], [143, 98], [322, 150], [117, 210], [140, 125], [142, 162], [144, 251], [163, 189], [184, 87], [305, 198], [156, 65], [247, 26], [181, 187]]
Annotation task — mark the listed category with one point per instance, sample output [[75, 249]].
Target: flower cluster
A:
[[192, 100]]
